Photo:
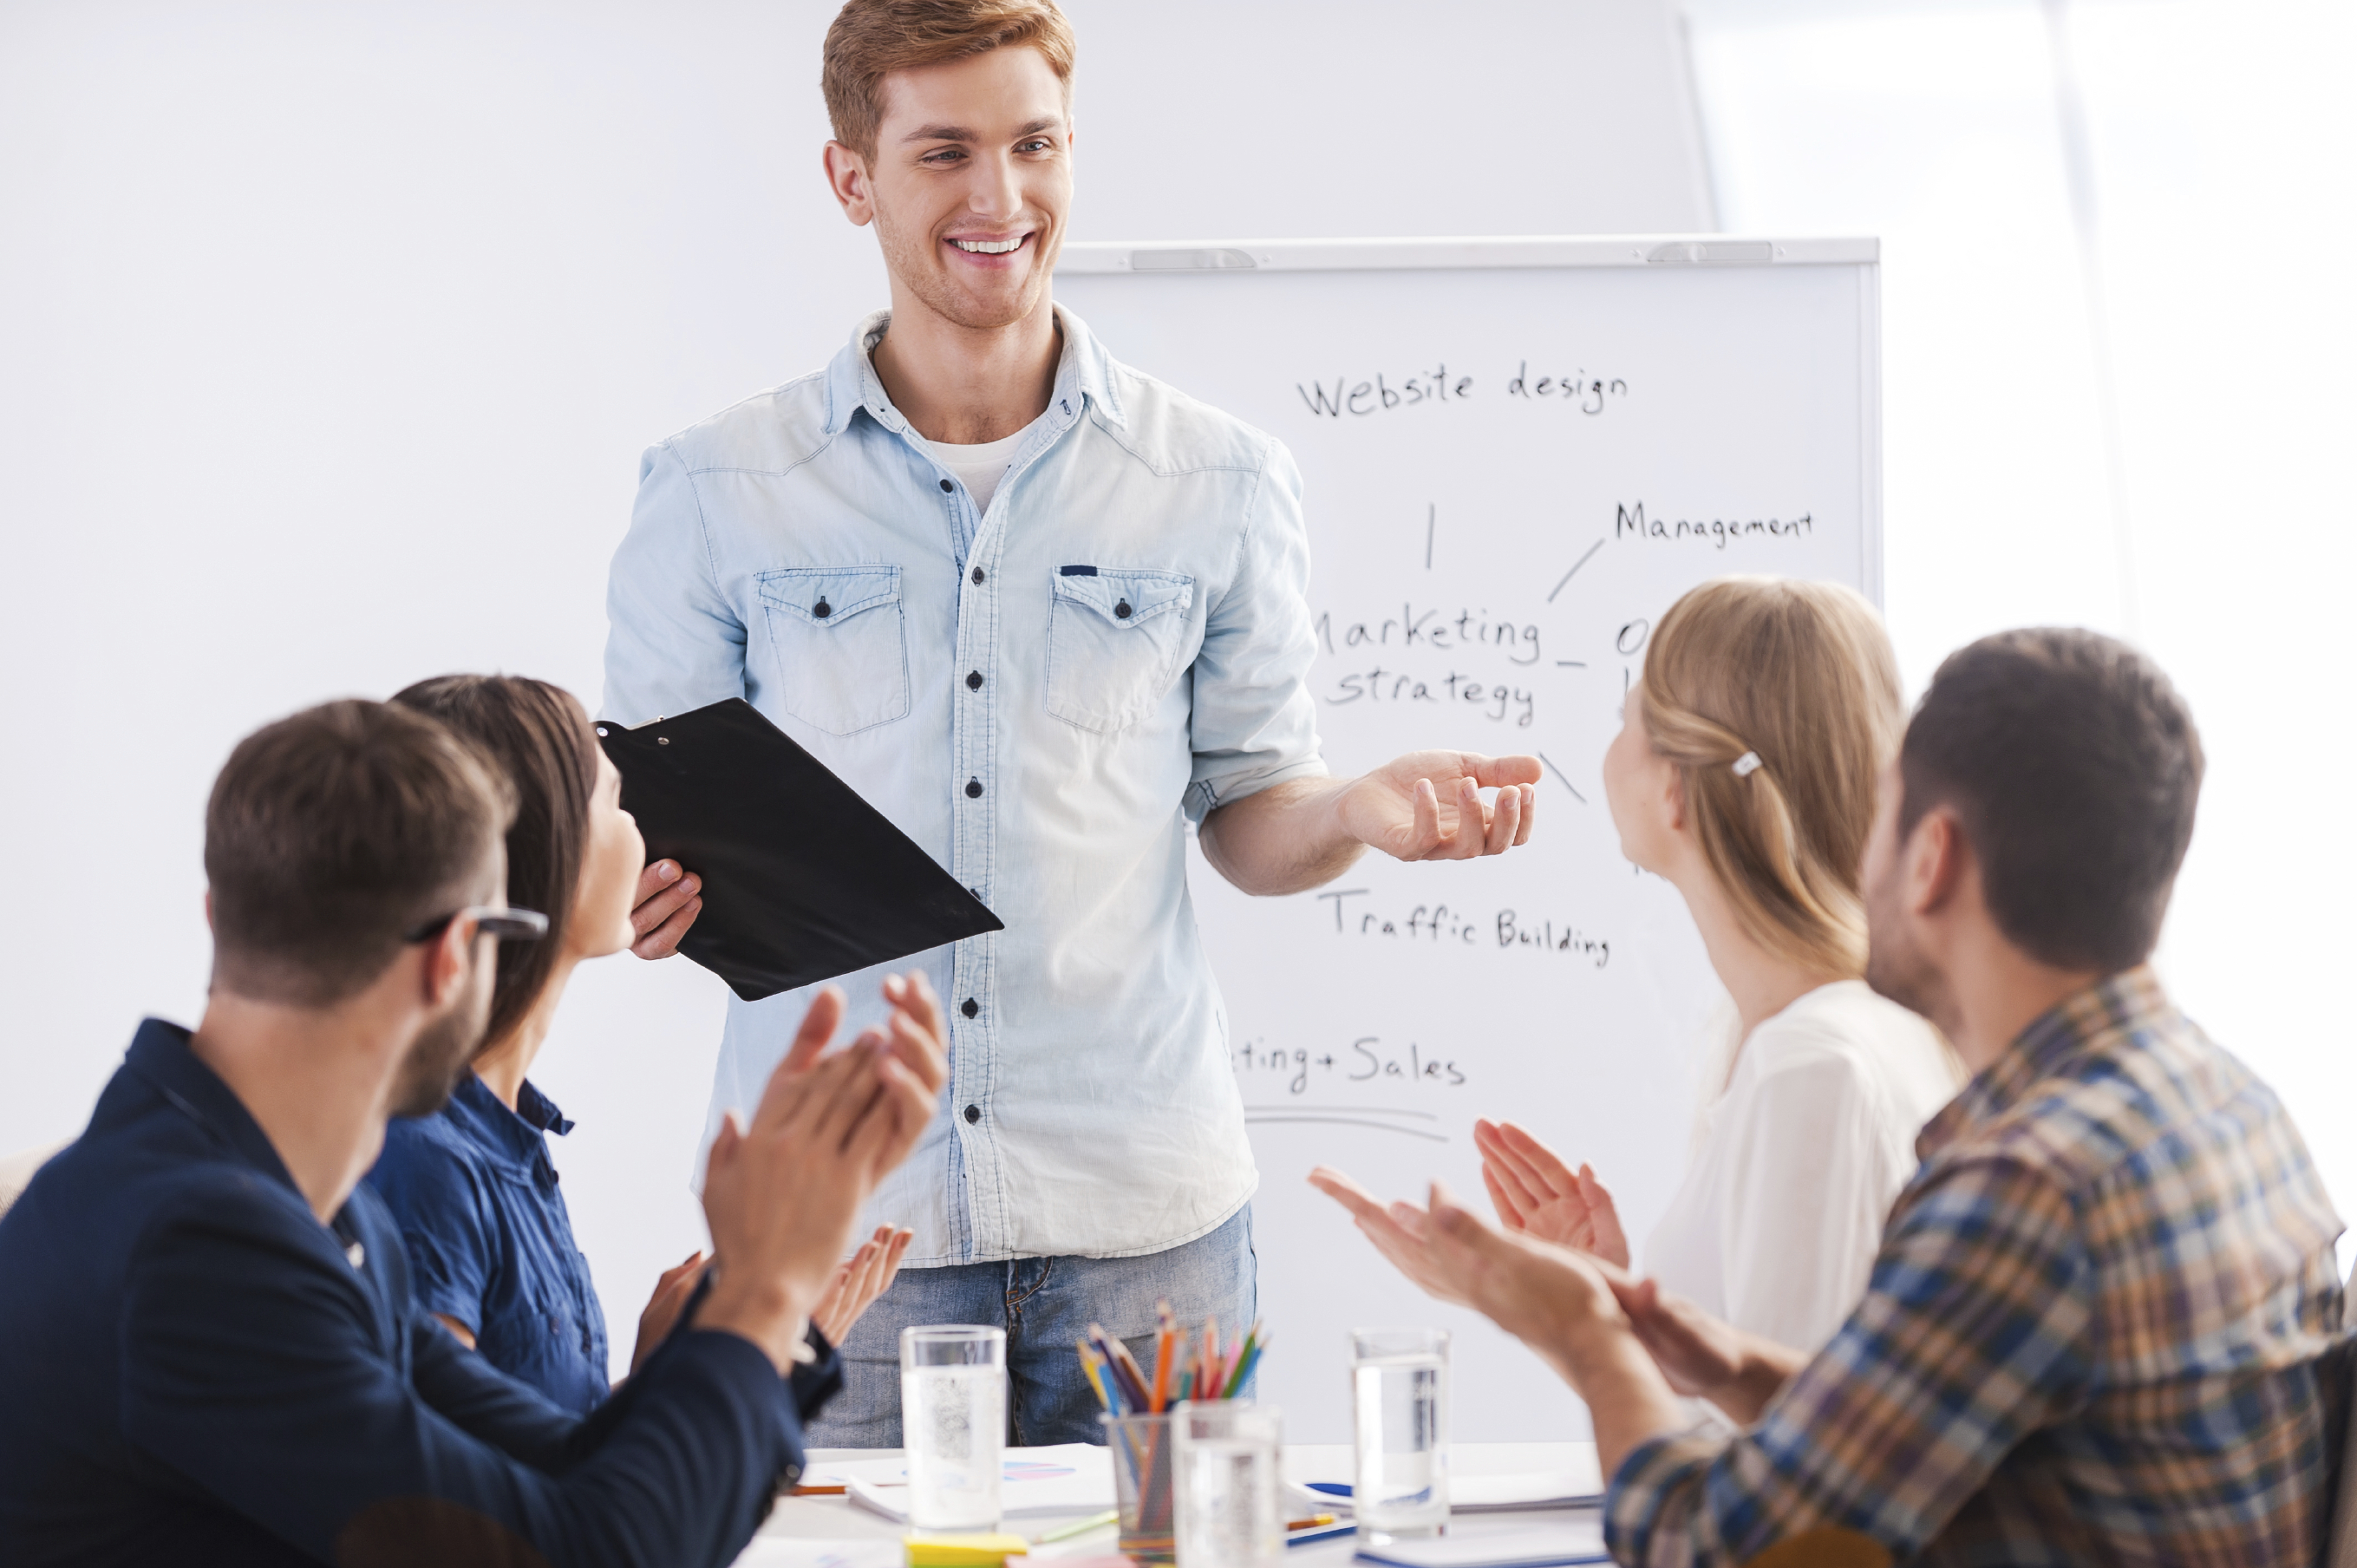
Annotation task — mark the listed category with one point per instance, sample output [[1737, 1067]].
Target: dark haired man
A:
[[208, 1351], [2105, 1323], [1043, 611]]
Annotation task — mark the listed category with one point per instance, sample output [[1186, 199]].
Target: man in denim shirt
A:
[[1043, 610]]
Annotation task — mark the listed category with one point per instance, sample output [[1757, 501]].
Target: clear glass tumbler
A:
[[1227, 1468], [1141, 1484], [953, 1425], [1399, 1401]]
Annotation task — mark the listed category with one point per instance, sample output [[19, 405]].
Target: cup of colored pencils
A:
[[1186, 1365]]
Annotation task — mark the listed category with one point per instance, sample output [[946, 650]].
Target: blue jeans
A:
[[1045, 1304]]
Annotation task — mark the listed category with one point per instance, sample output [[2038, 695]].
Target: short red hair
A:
[[872, 38]]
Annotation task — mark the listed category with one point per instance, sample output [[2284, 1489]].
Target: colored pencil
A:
[[1165, 1332]]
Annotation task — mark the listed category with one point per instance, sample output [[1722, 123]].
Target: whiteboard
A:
[[1515, 455]]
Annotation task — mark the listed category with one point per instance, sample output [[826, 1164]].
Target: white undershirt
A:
[[979, 469], [1796, 1162]]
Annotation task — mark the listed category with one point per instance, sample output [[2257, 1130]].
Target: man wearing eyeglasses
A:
[[207, 1349]]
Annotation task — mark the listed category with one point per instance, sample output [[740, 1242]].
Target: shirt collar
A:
[[160, 1054], [2083, 1023], [541, 1111], [511, 1138], [1083, 375]]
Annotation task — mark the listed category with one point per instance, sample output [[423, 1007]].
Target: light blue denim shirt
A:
[[1121, 645]]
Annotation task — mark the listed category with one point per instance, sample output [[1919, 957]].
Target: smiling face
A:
[[969, 185]]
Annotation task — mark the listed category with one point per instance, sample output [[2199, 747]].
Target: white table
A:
[[828, 1532]]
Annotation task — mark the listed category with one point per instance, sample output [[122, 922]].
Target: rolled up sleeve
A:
[[1254, 722]]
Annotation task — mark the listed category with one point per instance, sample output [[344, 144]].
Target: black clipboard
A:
[[803, 880]]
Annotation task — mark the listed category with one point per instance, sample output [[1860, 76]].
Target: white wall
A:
[[329, 335]]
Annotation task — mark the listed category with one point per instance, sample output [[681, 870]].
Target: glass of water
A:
[[953, 1423], [1226, 1471], [1399, 1403]]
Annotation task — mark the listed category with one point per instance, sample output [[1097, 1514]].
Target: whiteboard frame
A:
[[1181, 258]]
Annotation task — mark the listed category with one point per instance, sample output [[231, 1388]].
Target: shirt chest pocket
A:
[[1116, 638], [836, 638]]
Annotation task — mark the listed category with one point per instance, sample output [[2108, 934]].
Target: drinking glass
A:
[[1226, 1468], [1399, 1399], [953, 1423], [1141, 1484]]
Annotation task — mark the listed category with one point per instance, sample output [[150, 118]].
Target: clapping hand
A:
[[1539, 1293], [780, 1191], [860, 1280], [1398, 1232], [1534, 1192], [673, 1289], [1427, 805]]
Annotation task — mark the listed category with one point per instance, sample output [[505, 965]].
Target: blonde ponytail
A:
[[1777, 703]]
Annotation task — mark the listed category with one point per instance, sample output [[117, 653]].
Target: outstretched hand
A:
[[1534, 1192], [1427, 805]]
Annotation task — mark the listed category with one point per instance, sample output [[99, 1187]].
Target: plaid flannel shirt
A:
[[2103, 1327]]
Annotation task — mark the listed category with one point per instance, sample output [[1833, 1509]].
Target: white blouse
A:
[[1797, 1159]]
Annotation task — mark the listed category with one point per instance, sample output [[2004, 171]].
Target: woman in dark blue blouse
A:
[[490, 1246]]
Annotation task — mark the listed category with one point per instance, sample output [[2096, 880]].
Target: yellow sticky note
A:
[[983, 1551]]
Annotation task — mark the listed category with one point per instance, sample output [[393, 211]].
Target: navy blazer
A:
[[194, 1369]]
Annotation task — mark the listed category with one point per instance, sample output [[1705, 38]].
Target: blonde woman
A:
[[1744, 774]]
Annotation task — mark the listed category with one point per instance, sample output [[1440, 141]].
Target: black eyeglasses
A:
[[502, 925]]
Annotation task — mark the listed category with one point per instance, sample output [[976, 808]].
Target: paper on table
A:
[[1573, 1540], [1038, 1483], [1523, 1489], [1508, 1492]]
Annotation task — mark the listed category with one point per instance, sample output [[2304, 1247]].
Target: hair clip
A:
[[1747, 764]]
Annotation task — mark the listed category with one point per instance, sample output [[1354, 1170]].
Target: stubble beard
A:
[[429, 1073], [1896, 969], [921, 272]]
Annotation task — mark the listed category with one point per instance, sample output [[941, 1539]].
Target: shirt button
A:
[[973, 680], [973, 1114], [822, 610], [977, 574], [945, 487], [1121, 609], [970, 1007], [973, 788]]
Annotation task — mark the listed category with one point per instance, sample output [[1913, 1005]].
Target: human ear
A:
[[1674, 801], [448, 958], [1936, 853], [847, 179]]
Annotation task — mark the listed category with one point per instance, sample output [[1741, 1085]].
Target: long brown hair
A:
[[540, 736], [1800, 676]]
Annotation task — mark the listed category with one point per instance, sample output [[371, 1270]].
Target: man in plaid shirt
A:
[[2105, 1321]]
